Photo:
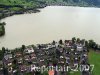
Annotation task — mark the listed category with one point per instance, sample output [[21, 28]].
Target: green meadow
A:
[[94, 59]]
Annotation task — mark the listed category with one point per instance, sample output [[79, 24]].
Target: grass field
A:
[[94, 58]]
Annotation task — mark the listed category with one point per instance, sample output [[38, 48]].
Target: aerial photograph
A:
[[49, 37]]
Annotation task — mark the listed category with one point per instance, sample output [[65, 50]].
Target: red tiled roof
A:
[[51, 72]]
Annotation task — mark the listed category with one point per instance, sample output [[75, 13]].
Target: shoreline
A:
[[96, 46], [29, 11], [36, 10]]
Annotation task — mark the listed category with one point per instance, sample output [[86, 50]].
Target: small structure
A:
[[8, 56], [79, 47], [51, 72], [29, 50]]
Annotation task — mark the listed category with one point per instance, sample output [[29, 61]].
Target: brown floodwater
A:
[[52, 23]]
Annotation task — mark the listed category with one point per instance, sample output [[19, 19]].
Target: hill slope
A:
[[95, 3]]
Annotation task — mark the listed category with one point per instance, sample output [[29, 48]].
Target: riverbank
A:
[[7, 13]]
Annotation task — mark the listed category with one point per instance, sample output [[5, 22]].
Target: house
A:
[[51, 72], [29, 50], [79, 47], [8, 62], [61, 57], [8, 51], [23, 68], [33, 56], [50, 46], [8, 56], [68, 43], [20, 60], [18, 54], [61, 50], [26, 57]]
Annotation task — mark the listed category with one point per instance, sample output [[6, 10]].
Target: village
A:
[[25, 60]]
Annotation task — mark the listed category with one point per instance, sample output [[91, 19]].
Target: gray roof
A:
[[7, 56]]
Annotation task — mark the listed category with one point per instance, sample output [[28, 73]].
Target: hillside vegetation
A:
[[29, 3], [90, 3]]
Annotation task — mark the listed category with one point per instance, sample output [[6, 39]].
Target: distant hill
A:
[[90, 3], [29, 3]]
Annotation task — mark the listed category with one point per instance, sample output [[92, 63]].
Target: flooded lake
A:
[[52, 23]]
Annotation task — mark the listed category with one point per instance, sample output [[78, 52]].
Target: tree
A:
[[60, 42], [1, 54], [3, 23], [73, 39], [2, 30], [78, 40], [5, 71], [58, 53], [83, 41], [23, 47], [45, 73], [86, 44], [37, 73], [39, 46], [96, 46], [92, 44], [3, 49], [53, 42], [15, 61], [65, 41]]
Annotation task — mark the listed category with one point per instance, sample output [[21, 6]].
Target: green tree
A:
[[60, 42], [1, 54], [78, 40], [83, 41], [23, 47], [3, 49], [73, 39], [53, 42], [45, 73], [87, 44], [92, 44]]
